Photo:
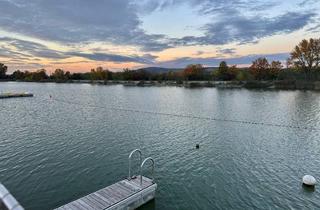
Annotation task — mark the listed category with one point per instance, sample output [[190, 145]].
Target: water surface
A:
[[54, 150]]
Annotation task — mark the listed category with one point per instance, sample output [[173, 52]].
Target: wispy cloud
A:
[[226, 51], [145, 59], [25, 48]]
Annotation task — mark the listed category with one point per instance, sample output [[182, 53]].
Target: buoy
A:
[[309, 180], [197, 146]]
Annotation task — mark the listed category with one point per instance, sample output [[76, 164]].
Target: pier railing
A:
[[141, 167], [130, 156], [149, 159]]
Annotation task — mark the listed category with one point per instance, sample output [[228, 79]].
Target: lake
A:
[[255, 145]]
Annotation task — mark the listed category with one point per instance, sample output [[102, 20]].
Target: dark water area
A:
[[55, 150]]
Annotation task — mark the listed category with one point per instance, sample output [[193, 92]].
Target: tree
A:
[[259, 68], [127, 74], [59, 75], [225, 72], [306, 55], [99, 74], [67, 75], [193, 72], [18, 75], [275, 68], [3, 71], [39, 75]]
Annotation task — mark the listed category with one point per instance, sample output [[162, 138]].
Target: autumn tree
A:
[[99, 74], [193, 72], [3, 71], [306, 55], [259, 68]]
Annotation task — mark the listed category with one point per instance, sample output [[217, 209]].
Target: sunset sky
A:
[[78, 35]]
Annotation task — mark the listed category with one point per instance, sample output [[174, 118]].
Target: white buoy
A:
[[309, 180]]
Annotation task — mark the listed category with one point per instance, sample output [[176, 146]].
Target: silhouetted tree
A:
[[18, 75], [3, 71], [99, 74], [59, 75], [39, 75]]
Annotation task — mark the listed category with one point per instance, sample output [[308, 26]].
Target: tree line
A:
[[303, 64]]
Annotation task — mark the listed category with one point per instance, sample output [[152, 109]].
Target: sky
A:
[[78, 35]]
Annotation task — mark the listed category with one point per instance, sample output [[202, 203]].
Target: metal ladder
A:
[[142, 163]]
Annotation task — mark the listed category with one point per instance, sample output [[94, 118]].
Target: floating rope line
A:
[[190, 116]]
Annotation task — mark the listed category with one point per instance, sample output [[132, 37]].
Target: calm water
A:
[[53, 151]]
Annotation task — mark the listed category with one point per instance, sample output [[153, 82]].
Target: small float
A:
[[309, 180]]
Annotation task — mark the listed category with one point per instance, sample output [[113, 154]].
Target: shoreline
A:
[[267, 85]]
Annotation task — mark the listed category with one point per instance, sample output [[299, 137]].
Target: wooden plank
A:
[[112, 200], [127, 187], [124, 192], [89, 202], [108, 192], [145, 182], [103, 198], [84, 204], [105, 195], [75, 206], [131, 185], [99, 201]]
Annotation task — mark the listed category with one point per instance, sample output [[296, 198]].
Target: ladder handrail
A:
[[141, 167], [140, 156], [7, 200]]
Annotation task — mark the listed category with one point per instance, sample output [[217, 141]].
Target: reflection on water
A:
[[54, 152]]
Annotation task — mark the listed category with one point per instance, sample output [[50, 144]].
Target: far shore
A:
[[269, 85]]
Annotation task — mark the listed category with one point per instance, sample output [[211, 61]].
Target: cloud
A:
[[228, 51], [74, 21], [120, 21], [214, 61], [145, 59], [238, 21], [23, 48], [237, 28], [307, 2]]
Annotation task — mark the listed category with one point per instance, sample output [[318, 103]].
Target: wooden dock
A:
[[126, 194], [15, 95]]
